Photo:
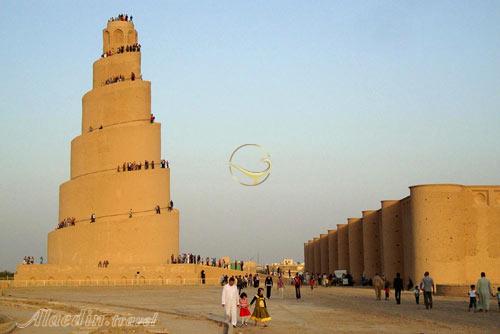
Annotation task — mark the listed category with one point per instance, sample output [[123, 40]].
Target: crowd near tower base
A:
[[117, 220], [449, 230]]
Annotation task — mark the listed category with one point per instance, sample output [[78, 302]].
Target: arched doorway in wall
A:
[[124, 280], [131, 37], [69, 281], [105, 281], [117, 37], [106, 39], [88, 281], [50, 281]]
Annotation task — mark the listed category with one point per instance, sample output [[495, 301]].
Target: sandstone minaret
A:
[[116, 129]]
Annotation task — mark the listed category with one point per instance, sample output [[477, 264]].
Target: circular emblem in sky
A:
[[250, 165]]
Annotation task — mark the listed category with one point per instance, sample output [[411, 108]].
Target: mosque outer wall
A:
[[356, 265], [371, 243], [466, 241], [310, 256], [306, 255], [343, 246], [323, 241], [317, 255], [392, 238], [450, 230], [333, 256]]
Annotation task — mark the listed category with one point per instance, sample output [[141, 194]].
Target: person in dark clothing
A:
[[410, 284], [203, 277], [256, 281], [239, 284], [398, 287], [297, 282], [269, 285]]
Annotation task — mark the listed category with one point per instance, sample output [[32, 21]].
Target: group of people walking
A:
[[112, 80], [31, 260], [233, 296], [69, 221], [381, 284], [249, 281], [426, 286], [119, 78], [132, 166], [103, 264], [151, 118], [136, 47], [479, 294], [121, 17], [232, 300], [187, 258], [328, 280]]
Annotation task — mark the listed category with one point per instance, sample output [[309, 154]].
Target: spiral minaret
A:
[[117, 130]]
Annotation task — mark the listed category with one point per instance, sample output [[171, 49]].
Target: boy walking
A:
[[417, 294], [472, 298]]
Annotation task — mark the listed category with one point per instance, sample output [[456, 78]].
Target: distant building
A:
[[285, 266]]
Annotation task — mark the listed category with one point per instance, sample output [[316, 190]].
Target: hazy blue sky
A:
[[354, 100]]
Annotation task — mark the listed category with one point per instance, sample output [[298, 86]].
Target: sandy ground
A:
[[198, 310]]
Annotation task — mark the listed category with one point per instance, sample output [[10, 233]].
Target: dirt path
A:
[[198, 310]]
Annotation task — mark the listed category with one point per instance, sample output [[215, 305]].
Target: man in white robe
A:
[[484, 292], [230, 301]]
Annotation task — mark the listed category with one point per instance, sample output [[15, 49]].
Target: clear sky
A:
[[354, 101]]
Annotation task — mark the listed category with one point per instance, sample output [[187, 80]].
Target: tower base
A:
[[121, 275]]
